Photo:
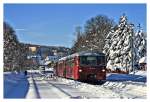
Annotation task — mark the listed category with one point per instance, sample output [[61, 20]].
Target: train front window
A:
[[101, 60], [92, 60], [88, 60]]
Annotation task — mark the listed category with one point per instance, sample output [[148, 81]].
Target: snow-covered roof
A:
[[63, 58], [47, 62], [143, 60]]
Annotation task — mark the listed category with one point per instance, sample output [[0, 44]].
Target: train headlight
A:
[[80, 70], [103, 70]]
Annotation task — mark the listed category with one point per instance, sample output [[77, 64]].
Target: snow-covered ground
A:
[[118, 86], [137, 76], [15, 85]]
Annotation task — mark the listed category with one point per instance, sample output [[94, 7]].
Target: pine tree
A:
[[14, 52], [118, 46], [139, 44], [10, 46]]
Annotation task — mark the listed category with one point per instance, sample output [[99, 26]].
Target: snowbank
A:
[[143, 60], [15, 85], [116, 86], [139, 76]]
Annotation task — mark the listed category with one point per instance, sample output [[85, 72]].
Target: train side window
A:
[[67, 63], [83, 60], [76, 61], [60, 65], [72, 62]]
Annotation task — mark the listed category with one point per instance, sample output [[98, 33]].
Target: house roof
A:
[[143, 60]]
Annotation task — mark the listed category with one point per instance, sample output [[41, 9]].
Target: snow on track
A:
[[129, 89], [113, 89]]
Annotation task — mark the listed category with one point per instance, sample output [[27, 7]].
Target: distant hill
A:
[[44, 51]]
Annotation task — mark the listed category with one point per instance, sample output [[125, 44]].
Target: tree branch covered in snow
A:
[[124, 47], [14, 51]]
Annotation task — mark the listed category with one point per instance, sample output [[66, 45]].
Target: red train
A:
[[83, 66]]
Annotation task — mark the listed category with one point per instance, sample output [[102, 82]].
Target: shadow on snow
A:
[[126, 77], [16, 85]]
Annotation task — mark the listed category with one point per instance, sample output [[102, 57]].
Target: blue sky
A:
[[54, 24]]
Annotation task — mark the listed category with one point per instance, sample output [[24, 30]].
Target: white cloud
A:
[[20, 29]]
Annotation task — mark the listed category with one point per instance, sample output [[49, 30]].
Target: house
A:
[[143, 63]]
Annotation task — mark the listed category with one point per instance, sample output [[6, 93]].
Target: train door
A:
[[69, 68], [64, 69], [76, 67]]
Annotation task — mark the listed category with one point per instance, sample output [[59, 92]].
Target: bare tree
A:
[[95, 32]]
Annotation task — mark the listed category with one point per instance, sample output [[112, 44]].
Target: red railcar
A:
[[84, 66]]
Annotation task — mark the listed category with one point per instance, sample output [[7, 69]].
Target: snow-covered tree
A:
[[118, 46], [123, 47], [14, 51], [140, 44]]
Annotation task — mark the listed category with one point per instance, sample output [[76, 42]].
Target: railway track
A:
[[124, 89], [121, 89], [127, 89], [73, 92]]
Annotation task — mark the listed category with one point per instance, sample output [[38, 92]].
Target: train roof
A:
[[83, 53], [91, 53]]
